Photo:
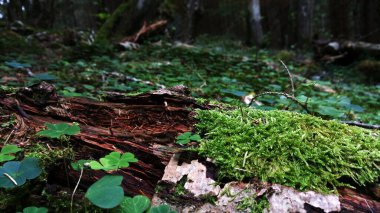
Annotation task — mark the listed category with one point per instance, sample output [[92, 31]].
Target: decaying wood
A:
[[147, 126], [330, 51], [145, 30], [200, 184]]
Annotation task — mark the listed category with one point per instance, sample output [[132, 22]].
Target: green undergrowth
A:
[[296, 150]]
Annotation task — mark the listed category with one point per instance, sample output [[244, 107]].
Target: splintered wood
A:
[[145, 125]]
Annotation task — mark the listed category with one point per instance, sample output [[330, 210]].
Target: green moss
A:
[[49, 157], [253, 204], [292, 149]]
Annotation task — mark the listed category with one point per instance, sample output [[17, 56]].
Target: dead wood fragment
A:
[[145, 30]]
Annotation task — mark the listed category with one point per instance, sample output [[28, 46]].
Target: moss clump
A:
[[292, 149]]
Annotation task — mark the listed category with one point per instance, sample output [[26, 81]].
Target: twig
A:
[[290, 76], [369, 207], [245, 158], [363, 125], [9, 136], [291, 97]]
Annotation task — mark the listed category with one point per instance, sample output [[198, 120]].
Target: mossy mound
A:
[[297, 150]]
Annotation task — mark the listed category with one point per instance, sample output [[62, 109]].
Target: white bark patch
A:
[[285, 199], [197, 182], [281, 199]]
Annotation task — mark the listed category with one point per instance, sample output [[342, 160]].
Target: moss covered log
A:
[[292, 149], [107, 28]]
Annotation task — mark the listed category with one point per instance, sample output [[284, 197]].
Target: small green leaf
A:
[[33, 209], [57, 130], [79, 164], [106, 193], [185, 135], [7, 151], [95, 165], [330, 111], [15, 173], [113, 161], [183, 141], [10, 149], [195, 137], [29, 168], [137, 204], [161, 209]]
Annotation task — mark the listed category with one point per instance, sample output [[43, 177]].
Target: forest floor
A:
[[213, 69]]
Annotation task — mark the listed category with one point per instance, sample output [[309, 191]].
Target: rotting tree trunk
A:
[[145, 125]]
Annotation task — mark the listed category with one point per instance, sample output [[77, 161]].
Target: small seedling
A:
[[187, 137], [7, 152], [113, 161], [58, 130], [78, 166]]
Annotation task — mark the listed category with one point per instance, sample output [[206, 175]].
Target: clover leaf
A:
[[15, 173], [113, 161], [57, 130], [7, 152], [33, 209], [137, 204], [161, 209], [187, 137], [106, 193], [80, 164]]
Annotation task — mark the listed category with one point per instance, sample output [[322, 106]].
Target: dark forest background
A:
[[279, 24]]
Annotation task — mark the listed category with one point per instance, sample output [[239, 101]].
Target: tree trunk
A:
[[255, 22], [305, 21]]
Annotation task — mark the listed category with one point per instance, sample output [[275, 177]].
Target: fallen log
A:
[[331, 51], [145, 125]]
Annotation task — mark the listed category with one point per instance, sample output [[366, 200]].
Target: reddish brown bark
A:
[[145, 30], [145, 125]]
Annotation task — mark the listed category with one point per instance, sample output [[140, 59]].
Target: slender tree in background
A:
[[305, 20], [255, 22], [193, 7]]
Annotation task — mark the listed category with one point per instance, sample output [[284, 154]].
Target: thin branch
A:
[[290, 76], [363, 125], [291, 97]]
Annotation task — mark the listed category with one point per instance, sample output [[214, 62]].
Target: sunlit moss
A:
[[293, 149]]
